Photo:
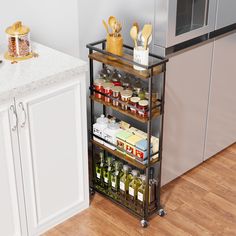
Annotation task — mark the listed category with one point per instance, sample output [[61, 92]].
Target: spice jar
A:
[[98, 86], [105, 73], [125, 97], [107, 88], [143, 107], [19, 45], [134, 102], [116, 94], [116, 77]]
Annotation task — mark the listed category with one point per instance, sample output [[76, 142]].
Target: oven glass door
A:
[[191, 15]]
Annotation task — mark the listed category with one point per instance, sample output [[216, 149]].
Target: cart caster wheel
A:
[[161, 213], [92, 192], [144, 223]]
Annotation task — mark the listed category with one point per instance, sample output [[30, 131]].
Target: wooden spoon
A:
[[112, 21], [118, 28], [134, 35], [136, 24], [146, 32], [106, 26]]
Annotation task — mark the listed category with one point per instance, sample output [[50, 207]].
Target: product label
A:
[[131, 191], [105, 180], [113, 184], [98, 175], [122, 186], [140, 196]]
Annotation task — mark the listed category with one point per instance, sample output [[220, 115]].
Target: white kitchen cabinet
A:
[[12, 216], [53, 144], [187, 88], [221, 128]]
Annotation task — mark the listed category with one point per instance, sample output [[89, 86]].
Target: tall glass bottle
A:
[[142, 192], [108, 169], [133, 186], [115, 177], [152, 186], [124, 181], [99, 169]]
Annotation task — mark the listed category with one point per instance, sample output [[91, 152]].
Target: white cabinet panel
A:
[[54, 150], [10, 224], [225, 13], [187, 87], [221, 130]]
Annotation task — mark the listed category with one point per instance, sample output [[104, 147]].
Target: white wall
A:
[[52, 22]]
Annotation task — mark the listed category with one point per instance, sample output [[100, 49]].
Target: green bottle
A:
[[124, 181], [115, 177], [133, 186], [141, 192], [152, 187], [107, 171], [99, 169]]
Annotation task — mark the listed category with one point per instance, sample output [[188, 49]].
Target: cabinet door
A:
[[53, 141], [187, 87], [221, 130], [10, 200]]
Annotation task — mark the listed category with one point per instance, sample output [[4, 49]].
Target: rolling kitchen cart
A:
[[157, 66]]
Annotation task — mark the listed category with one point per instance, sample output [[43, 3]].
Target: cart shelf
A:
[[123, 157], [155, 113], [125, 66]]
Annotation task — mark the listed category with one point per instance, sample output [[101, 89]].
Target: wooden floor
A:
[[201, 202]]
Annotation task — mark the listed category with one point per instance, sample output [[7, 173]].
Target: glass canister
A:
[[134, 102], [125, 97], [116, 90], [19, 44], [107, 88]]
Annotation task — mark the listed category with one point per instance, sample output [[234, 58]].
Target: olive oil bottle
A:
[[124, 181], [152, 187], [141, 195], [99, 169], [108, 169], [133, 186], [115, 177]]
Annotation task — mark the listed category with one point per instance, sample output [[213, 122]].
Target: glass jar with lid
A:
[[19, 44]]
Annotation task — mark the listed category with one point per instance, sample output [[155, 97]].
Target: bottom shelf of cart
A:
[[124, 203]]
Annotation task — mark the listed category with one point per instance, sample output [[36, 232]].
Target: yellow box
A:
[[130, 145]]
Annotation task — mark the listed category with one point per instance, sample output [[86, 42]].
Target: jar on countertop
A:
[[19, 44], [109, 134], [99, 127]]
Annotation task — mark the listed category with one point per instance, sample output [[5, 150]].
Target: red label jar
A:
[[116, 94], [134, 102], [125, 97], [98, 86], [143, 107], [107, 88]]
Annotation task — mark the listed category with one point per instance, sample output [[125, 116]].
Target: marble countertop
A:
[[25, 76]]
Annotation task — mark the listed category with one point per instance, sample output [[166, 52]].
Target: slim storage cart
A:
[[155, 70]]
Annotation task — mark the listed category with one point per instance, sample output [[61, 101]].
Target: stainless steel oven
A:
[[177, 21]]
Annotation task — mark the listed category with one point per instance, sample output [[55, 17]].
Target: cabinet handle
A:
[[15, 119], [21, 106]]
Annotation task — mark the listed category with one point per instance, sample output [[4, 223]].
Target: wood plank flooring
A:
[[201, 202]]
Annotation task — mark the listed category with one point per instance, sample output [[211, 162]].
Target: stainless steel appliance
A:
[[177, 21]]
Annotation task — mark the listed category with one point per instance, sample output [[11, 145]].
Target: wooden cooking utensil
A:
[[134, 35], [118, 28], [136, 24], [146, 32], [112, 21], [106, 26]]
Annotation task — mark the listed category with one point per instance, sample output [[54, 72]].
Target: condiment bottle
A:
[[99, 169], [107, 172], [98, 128], [124, 182], [109, 134], [134, 185], [152, 186], [141, 192], [115, 177], [116, 77]]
